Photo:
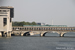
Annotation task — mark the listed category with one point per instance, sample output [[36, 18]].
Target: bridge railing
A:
[[43, 28]]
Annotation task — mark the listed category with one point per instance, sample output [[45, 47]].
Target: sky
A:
[[62, 12]]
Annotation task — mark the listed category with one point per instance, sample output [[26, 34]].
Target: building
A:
[[6, 15], [40, 23]]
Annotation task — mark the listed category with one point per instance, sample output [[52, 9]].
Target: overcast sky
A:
[[62, 12]]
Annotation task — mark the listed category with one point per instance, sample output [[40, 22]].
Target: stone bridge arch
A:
[[43, 33], [68, 33], [61, 34], [26, 33]]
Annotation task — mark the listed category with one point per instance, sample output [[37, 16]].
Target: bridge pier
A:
[[0, 34], [8, 34], [61, 34], [5, 34], [41, 34], [21, 34]]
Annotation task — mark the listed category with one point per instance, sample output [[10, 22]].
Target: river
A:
[[49, 42]]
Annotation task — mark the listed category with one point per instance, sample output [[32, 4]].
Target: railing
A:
[[44, 28]]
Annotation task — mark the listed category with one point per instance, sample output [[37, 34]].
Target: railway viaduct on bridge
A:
[[42, 30]]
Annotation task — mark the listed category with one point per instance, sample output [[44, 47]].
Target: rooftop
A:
[[6, 7]]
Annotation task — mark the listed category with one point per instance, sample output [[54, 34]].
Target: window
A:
[[4, 10], [4, 21]]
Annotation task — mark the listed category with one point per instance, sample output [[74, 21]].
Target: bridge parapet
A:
[[43, 28]]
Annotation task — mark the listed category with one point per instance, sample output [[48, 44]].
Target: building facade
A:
[[40, 23], [6, 15]]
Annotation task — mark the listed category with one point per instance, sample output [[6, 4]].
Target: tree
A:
[[33, 23], [22, 23]]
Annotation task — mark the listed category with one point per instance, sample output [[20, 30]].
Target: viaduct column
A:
[[61, 34], [0, 34], [42, 33], [21, 33]]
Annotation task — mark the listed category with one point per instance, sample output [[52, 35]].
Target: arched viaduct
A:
[[31, 30]]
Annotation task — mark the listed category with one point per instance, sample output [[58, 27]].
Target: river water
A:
[[49, 42]]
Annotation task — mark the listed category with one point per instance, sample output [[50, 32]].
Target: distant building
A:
[[6, 15], [57, 25], [43, 24], [40, 23]]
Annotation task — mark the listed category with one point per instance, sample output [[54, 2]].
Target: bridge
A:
[[42, 30]]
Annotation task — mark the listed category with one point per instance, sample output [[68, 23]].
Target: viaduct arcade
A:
[[42, 30]]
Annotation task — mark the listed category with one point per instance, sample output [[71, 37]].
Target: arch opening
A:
[[12, 34], [26, 34], [69, 34], [52, 34]]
